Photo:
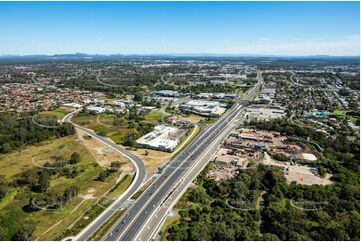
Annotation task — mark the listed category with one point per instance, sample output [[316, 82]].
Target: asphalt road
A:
[[137, 182], [134, 220]]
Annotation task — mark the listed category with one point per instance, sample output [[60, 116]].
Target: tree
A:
[[3, 186], [44, 181], [70, 193], [74, 158], [24, 232], [138, 97], [103, 175], [29, 177], [2, 234], [322, 171], [114, 166]]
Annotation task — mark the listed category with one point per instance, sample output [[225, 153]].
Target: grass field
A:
[[107, 100], [154, 116], [103, 125], [59, 113], [49, 224], [340, 112]]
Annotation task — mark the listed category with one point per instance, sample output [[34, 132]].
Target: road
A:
[[189, 161], [137, 182]]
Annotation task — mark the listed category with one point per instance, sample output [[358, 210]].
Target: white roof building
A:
[[162, 138], [72, 105], [309, 157], [93, 109]]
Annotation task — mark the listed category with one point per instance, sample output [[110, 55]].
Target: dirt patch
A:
[[305, 176], [103, 154], [193, 118], [300, 174], [152, 159]]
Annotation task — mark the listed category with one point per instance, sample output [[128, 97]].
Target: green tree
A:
[[44, 181], [24, 232], [29, 177], [103, 175], [74, 158], [3, 186]]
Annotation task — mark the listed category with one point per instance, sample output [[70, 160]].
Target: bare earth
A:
[[103, 154], [301, 174]]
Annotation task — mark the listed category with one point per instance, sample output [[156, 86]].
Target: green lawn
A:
[[154, 116]]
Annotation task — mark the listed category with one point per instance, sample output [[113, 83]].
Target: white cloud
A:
[[349, 45]]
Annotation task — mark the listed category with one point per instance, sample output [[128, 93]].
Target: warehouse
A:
[[93, 109], [164, 138], [204, 108]]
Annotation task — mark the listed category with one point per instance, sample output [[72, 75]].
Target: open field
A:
[[194, 118], [299, 173], [102, 124], [107, 100], [59, 113], [50, 223], [154, 116], [103, 154]]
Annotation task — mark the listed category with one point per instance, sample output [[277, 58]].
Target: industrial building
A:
[[204, 108], [93, 109], [71, 105], [167, 93], [164, 138], [265, 112]]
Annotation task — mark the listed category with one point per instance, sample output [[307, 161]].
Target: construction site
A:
[[246, 148]]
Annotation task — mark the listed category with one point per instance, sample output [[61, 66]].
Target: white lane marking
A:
[[237, 106]]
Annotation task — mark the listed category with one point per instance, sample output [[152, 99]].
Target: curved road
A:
[[138, 179], [129, 226]]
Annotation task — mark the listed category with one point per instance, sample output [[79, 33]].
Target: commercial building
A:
[[116, 104], [168, 93], [164, 138], [265, 112], [71, 105], [204, 108], [93, 109]]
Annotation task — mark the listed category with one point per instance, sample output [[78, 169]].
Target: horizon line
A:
[[177, 54]]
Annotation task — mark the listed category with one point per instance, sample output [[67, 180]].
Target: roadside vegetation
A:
[[122, 129], [258, 204], [17, 132], [45, 188], [231, 210]]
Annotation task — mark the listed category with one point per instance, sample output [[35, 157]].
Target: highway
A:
[[134, 221], [137, 182]]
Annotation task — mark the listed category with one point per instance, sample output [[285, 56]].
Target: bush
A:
[[74, 158]]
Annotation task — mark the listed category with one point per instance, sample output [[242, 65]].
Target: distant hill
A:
[[190, 56]]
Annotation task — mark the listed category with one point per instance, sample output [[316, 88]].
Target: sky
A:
[[264, 28]]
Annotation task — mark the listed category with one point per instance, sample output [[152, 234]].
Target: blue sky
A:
[[268, 28]]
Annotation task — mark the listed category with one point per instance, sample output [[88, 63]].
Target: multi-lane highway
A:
[[138, 179], [133, 222]]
